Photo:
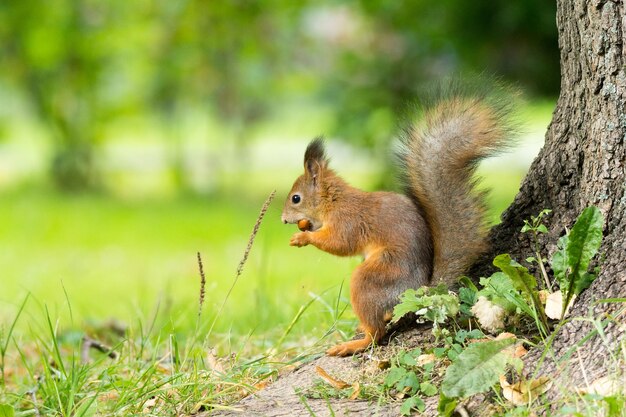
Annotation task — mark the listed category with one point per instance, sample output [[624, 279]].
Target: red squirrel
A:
[[432, 233]]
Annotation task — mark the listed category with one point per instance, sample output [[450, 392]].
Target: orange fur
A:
[[407, 241]]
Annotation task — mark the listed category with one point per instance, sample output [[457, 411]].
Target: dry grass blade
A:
[[255, 230], [202, 284]]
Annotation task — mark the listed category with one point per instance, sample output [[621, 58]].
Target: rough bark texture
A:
[[582, 163]]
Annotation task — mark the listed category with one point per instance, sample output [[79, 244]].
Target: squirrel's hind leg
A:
[[368, 302]]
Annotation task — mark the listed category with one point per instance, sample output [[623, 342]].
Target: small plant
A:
[[435, 304], [576, 249], [536, 227], [478, 368], [410, 378], [512, 291]]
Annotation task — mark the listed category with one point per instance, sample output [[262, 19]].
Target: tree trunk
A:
[[582, 163]]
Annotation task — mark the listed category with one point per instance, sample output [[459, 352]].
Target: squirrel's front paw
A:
[[300, 239]]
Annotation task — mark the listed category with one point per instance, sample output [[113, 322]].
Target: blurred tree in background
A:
[[80, 65]]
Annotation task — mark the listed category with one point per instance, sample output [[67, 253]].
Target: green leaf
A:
[[6, 410], [395, 374], [522, 280], [435, 304], [413, 403], [428, 389], [409, 380], [439, 352], [476, 369], [584, 241], [446, 406], [500, 290], [583, 282], [407, 359]]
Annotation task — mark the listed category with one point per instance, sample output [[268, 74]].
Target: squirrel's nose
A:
[[283, 219]]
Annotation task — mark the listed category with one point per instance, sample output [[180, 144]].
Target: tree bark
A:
[[582, 163]]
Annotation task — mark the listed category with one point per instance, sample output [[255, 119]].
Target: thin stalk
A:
[[255, 230], [544, 274]]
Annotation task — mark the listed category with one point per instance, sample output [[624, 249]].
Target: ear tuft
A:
[[315, 151], [315, 160]]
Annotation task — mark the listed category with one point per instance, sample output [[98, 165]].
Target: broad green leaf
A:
[[522, 280], [6, 410], [476, 369], [409, 380], [583, 282], [395, 374], [584, 241]]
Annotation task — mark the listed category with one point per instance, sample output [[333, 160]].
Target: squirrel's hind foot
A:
[[349, 348]]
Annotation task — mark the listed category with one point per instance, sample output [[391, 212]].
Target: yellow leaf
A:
[[426, 358], [356, 391], [605, 386], [554, 305], [336, 383], [524, 392]]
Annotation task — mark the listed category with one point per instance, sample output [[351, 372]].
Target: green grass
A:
[[120, 259], [86, 261]]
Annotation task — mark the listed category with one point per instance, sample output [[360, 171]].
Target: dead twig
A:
[[89, 343]]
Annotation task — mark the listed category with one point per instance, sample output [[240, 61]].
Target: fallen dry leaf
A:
[[605, 386], [554, 305], [524, 392], [262, 384], [517, 350], [336, 383], [356, 391], [505, 335], [426, 358], [149, 404], [403, 393]]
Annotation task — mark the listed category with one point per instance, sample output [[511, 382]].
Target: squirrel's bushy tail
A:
[[439, 155]]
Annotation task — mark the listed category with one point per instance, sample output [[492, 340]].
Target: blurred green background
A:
[[134, 134]]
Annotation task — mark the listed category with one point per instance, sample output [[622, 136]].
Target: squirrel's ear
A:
[[315, 160]]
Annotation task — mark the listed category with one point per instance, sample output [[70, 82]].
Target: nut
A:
[[304, 224]]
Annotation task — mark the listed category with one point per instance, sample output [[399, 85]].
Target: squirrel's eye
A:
[[295, 199]]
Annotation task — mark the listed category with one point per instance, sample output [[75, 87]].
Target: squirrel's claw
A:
[[300, 239]]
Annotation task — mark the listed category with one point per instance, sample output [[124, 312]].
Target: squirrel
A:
[[430, 234]]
